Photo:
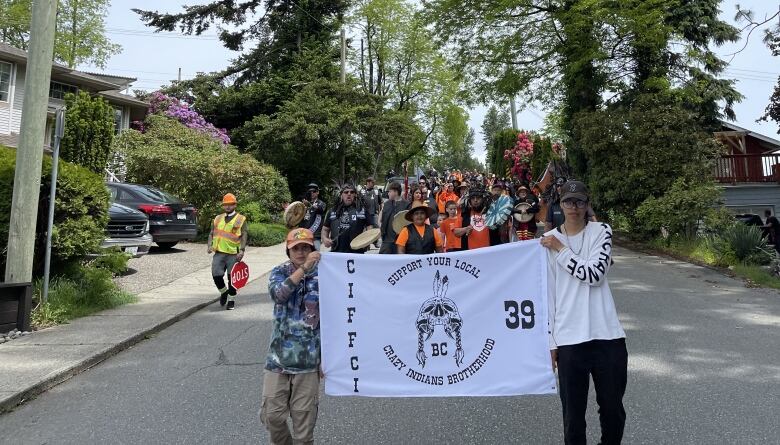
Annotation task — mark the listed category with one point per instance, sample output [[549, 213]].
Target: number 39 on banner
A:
[[514, 311]]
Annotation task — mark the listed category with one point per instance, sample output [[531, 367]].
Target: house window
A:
[[117, 120], [59, 90], [5, 81]]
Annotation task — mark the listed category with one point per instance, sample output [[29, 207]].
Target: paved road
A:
[[704, 369]]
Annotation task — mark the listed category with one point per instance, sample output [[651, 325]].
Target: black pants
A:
[[607, 362]]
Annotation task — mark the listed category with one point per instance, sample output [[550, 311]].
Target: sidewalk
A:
[[31, 365]]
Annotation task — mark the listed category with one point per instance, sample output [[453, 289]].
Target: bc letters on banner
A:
[[470, 323]]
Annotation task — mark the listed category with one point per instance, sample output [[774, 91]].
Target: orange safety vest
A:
[[226, 236]]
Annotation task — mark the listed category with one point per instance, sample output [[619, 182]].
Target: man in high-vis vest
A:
[[227, 241]]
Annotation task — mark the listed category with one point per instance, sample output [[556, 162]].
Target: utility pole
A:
[[513, 112], [27, 177], [178, 79]]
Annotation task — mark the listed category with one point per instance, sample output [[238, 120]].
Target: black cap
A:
[[313, 186], [574, 190], [477, 190]]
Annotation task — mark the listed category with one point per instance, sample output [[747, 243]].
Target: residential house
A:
[[750, 171], [13, 65]]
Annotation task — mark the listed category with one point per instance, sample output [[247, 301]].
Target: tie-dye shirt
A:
[[295, 340]]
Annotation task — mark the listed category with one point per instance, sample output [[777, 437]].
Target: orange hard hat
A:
[[229, 199]]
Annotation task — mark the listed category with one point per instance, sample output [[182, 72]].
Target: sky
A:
[[155, 59]]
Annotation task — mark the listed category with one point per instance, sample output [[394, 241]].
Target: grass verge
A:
[[698, 251], [757, 276], [81, 291]]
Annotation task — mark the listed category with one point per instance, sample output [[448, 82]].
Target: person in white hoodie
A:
[[586, 338]]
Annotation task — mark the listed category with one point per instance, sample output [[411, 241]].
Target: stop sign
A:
[[239, 275]]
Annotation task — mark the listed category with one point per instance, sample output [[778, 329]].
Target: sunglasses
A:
[[348, 192], [571, 203]]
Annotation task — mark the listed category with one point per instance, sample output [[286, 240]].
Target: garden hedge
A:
[[80, 216]]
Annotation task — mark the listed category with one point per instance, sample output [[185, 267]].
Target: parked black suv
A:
[[127, 229], [170, 219]]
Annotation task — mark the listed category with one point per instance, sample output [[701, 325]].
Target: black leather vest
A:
[[417, 245]]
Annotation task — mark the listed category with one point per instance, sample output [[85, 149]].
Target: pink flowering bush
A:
[[175, 109], [520, 157]]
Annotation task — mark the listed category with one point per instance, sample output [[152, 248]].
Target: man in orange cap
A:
[[227, 240], [291, 380]]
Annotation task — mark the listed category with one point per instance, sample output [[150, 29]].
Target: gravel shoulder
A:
[[160, 266]]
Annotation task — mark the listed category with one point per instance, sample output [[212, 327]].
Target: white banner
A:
[[468, 323]]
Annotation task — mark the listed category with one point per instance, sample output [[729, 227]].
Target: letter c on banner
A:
[[354, 363], [351, 266]]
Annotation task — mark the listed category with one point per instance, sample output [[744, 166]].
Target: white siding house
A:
[[13, 64]]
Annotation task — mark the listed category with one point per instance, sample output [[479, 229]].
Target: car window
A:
[[153, 194], [114, 193]]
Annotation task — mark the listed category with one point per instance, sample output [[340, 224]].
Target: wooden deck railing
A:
[[748, 168]]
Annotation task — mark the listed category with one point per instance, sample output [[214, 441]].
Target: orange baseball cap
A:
[[298, 236]]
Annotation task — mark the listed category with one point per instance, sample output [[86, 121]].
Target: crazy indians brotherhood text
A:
[[467, 323]]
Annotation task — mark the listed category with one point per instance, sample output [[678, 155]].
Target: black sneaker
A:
[[223, 299], [231, 305]]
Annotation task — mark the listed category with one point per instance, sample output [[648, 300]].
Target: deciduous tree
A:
[[81, 30]]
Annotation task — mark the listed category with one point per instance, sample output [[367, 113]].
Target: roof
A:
[[124, 99], [62, 72], [753, 134], [123, 81]]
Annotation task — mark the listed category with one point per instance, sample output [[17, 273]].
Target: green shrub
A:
[[254, 212], [82, 291], [89, 131], [114, 261], [80, 212], [741, 244], [679, 210], [198, 169], [719, 220], [262, 235]]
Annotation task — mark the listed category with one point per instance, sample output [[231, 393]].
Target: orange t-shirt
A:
[[480, 234], [448, 226], [403, 237]]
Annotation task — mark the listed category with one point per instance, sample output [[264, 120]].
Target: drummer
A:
[[419, 238], [315, 212], [500, 234], [525, 230], [346, 220]]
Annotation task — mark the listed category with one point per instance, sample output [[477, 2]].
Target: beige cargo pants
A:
[[293, 396]]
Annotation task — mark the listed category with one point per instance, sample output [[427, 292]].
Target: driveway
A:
[[161, 266]]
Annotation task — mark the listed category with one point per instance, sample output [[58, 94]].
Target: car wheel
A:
[[168, 245]]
